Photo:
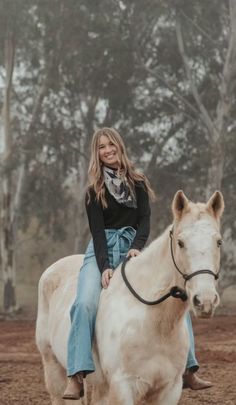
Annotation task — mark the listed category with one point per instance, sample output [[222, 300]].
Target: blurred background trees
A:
[[161, 75]]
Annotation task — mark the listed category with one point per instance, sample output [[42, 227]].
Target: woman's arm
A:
[[144, 213], [96, 224]]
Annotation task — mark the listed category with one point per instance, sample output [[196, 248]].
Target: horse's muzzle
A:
[[205, 307]]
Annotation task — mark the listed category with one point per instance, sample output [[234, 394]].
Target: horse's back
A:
[[56, 293]]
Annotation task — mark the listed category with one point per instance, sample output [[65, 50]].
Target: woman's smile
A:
[[108, 153]]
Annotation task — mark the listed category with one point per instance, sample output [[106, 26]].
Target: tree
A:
[[79, 65], [9, 204], [217, 127]]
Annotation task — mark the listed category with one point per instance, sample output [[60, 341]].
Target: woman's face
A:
[[108, 152]]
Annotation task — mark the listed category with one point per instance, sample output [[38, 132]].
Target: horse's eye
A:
[[219, 242], [180, 243]]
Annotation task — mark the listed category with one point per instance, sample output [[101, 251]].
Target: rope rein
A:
[[175, 291]]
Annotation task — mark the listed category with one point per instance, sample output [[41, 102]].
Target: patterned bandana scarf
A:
[[118, 188]]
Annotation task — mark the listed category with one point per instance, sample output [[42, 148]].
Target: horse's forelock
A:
[[196, 212]]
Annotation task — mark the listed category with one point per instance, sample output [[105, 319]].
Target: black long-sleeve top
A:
[[117, 216]]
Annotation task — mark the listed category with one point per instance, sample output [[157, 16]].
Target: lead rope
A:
[[175, 292]]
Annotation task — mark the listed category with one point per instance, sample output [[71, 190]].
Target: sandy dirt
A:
[[21, 373]]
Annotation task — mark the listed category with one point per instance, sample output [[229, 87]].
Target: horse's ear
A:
[[179, 204], [216, 204]]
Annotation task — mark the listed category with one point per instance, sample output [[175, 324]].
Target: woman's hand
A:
[[106, 276], [133, 253]]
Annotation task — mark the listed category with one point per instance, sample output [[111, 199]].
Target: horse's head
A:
[[196, 246]]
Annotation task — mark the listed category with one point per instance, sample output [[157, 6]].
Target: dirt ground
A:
[[21, 373]]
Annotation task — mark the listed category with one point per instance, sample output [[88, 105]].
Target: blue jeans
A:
[[84, 310], [191, 360]]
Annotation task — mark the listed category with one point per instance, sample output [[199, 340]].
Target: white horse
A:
[[140, 350]]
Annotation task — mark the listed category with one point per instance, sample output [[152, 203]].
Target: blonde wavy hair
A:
[[126, 167]]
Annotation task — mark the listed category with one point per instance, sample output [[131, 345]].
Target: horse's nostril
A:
[[196, 301]]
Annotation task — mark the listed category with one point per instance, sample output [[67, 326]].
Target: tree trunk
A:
[[223, 110], [216, 165], [217, 128], [7, 249], [7, 231], [82, 228]]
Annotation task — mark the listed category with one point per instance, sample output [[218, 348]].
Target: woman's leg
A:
[[191, 360], [190, 379], [83, 316]]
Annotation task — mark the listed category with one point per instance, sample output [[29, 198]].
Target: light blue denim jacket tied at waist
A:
[[118, 243]]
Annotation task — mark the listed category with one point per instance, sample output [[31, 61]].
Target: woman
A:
[[117, 205]]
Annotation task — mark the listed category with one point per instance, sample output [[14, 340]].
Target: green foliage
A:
[[117, 64]]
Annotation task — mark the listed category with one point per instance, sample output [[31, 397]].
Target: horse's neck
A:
[[152, 274], [152, 270]]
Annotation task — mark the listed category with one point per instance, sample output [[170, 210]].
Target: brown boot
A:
[[75, 387], [192, 381]]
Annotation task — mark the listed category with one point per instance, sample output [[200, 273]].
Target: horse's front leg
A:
[[120, 391], [170, 394]]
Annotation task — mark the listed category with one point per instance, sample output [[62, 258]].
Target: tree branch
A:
[[9, 64], [229, 70], [16, 202], [204, 113], [164, 81], [200, 29], [229, 74]]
